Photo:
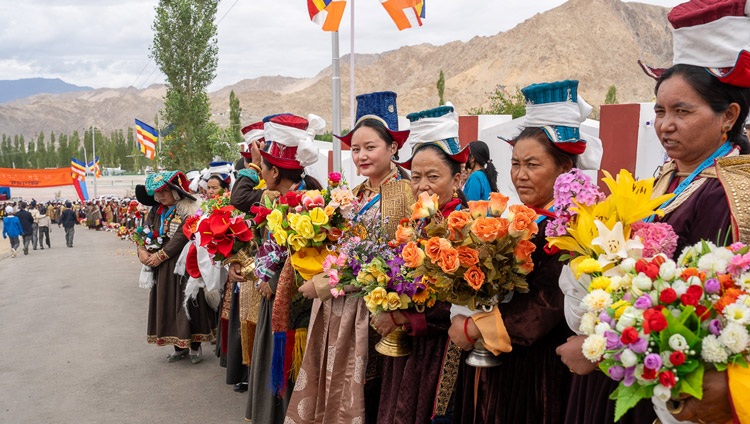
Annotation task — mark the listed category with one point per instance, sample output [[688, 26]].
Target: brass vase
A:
[[246, 259], [395, 344], [480, 357]]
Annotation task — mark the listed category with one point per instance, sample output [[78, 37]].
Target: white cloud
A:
[[105, 43]]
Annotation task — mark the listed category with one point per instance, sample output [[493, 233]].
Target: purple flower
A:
[[712, 286], [714, 327], [644, 302], [652, 361], [629, 377], [604, 317], [613, 340], [616, 372], [639, 346]]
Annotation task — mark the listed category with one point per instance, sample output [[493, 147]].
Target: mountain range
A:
[[595, 41]]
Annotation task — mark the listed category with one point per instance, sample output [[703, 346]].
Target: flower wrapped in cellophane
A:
[[365, 261], [308, 221], [656, 325], [472, 258]]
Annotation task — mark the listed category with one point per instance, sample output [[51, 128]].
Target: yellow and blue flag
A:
[[94, 168], [146, 137], [77, 169]]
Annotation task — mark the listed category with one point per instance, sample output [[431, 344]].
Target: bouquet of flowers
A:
[[569, 186], [224, 232], [602, 230], [365, 259], [472, 258], [145, 237], [308, 221], [657, 325]]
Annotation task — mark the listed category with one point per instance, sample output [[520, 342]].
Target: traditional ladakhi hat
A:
[[438, 126], [252, 132], [174, 180], [289, 140], [224, 170], [714, 35], [558, 110], [381, 107]]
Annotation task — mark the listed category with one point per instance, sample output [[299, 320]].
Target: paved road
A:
[[73, 326]]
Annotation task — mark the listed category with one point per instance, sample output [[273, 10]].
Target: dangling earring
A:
[[725, 134], [455, 193]]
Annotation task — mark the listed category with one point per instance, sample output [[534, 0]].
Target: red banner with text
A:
[[31, 178]]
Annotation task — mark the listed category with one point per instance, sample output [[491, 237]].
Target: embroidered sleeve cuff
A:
[[494, 335]]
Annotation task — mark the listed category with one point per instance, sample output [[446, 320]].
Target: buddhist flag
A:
[[147, 138], [77, 169], [405, 13], [326, 13], [94, 168]]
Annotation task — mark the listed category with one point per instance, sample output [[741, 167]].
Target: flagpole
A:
[[85, 160], [93, 143], [336, 81], [351, 73]]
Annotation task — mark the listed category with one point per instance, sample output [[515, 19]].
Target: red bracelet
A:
[[466, 331], [393, 319]]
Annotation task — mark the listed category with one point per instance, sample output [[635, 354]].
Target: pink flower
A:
[[657, 237], [739, 264]]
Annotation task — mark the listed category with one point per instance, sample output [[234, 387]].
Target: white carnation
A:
[[601, 328], [627, 265], [662, 393], [668, 270], [712, 350], [642, 281], [678, 342], [593, 347], [737, 312], [734, 336], [628, 358], [588, 322], [597, 300]]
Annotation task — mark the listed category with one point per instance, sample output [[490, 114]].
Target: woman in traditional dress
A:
[[289, 151], [531, 384], [482, 178], [340, 376], [168, 322], [410, 382], [700, 110]]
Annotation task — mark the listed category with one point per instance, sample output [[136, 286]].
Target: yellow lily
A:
[[633, 199]]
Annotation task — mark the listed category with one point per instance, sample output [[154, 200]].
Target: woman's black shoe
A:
[[240, 387]]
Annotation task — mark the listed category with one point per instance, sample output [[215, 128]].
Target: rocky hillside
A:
[[595, 41]]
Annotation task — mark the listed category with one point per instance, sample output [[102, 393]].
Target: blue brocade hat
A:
[[379, 106], [438, 126], [159, 181]]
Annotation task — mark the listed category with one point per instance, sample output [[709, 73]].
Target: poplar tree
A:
[[186, 49]]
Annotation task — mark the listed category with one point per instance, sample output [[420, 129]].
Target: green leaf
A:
[[692, 383], [626, 397]]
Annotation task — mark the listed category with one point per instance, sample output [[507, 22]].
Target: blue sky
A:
[[105, 43]]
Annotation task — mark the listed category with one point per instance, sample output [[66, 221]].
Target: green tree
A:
[[186, 50], [611, 98], [441, 87], [235, 113], [503, 103]]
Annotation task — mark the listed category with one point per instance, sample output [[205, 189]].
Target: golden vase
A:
[[395, 344]]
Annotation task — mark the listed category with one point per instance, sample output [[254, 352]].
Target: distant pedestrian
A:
[[43, 222], [34, 211], [12, 229], [27, 223], [68, 221], [482, 178]]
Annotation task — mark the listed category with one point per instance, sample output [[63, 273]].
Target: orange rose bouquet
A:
[[472, 258]]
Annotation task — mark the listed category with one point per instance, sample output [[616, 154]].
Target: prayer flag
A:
[[94, 168], [77, 169], [405, 13], [326, 13], [147, 137]]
